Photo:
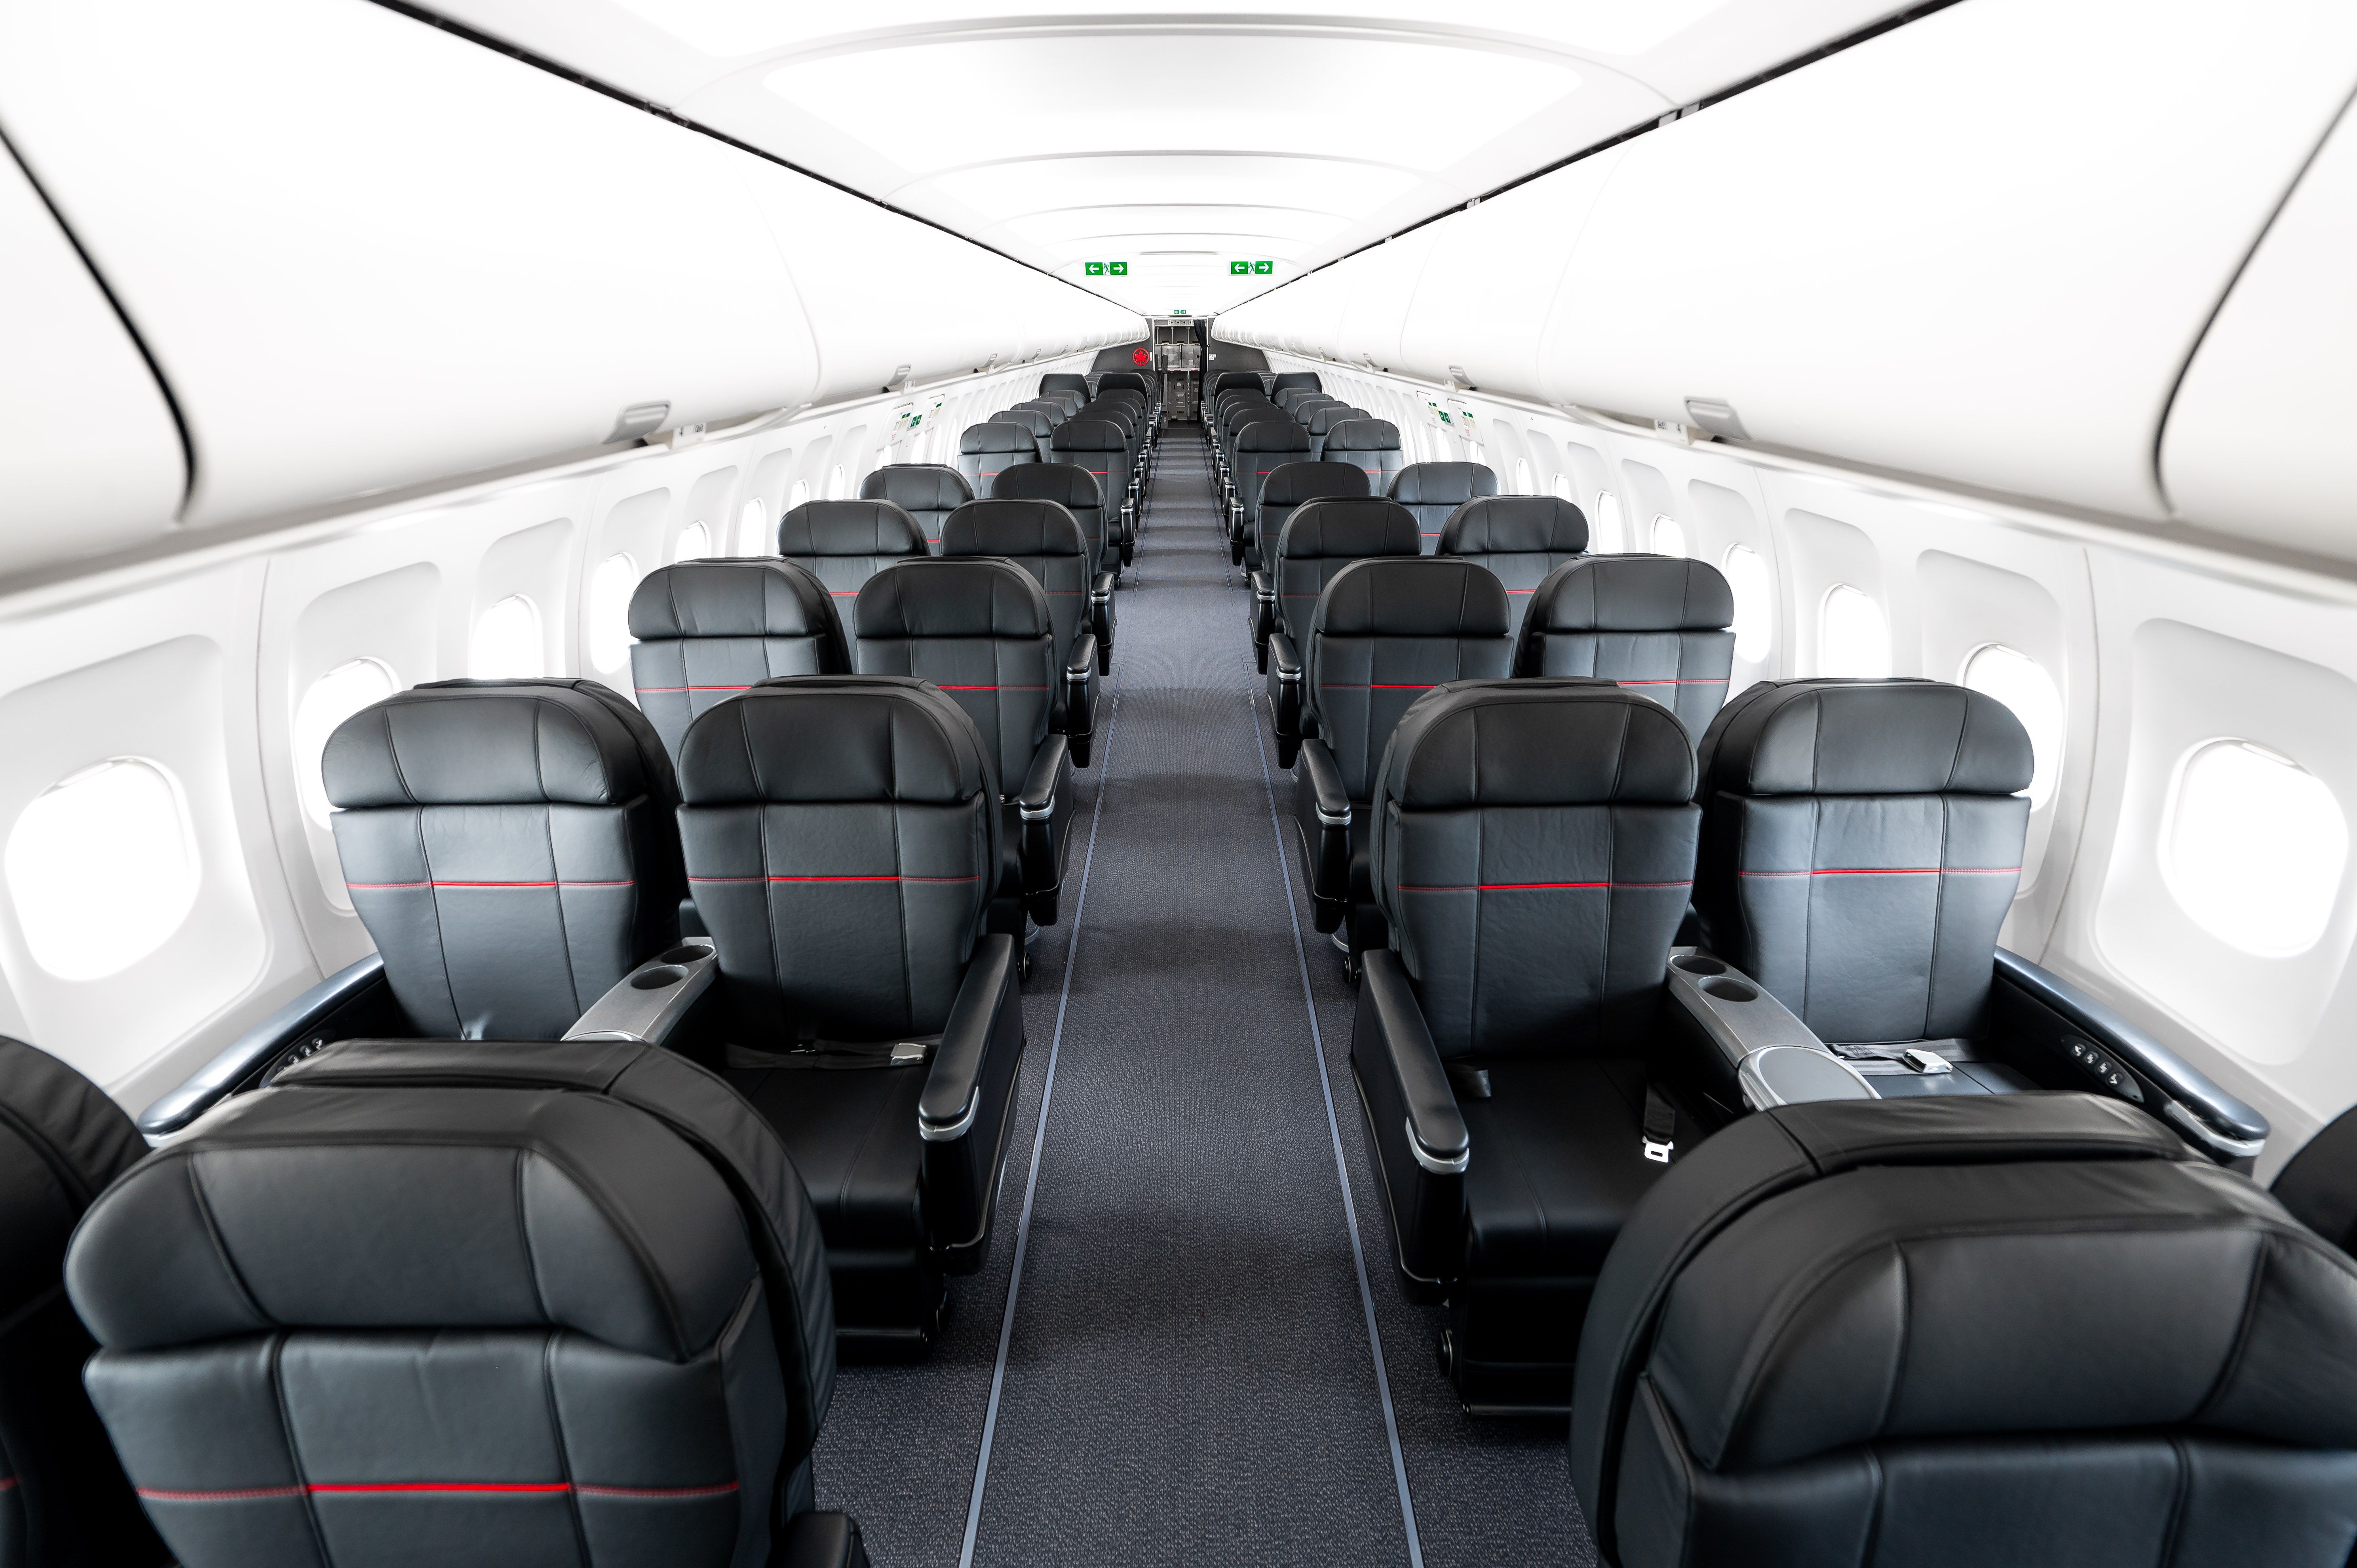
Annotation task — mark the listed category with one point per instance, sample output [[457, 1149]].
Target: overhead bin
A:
[[1981, 246], [367, 253]]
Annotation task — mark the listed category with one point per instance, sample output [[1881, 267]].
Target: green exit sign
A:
[[1100, 268], [1245, 269], [1263, 266]]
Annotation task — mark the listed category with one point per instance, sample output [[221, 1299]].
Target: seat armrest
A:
[[648, 1003], [966, 1112], [354, 1001], [1042, 807], [1101, 620], [1264, 612], [1321, 814], [1284, 696], [1422, 1144], [2093, 1047], [1079, 715]]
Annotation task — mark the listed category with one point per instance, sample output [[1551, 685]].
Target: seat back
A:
[[842, 839], [2029, 1329], [1323, 421], [1124, 380], [1044, 540], [926, 492], [1290, 399], [1387, 630], [1225, 380], [1434, 490], [984, 449], [1063, 384], [1861, 845], [1262, 447], [568, 1307], [709, 629], [1069, 485], [980, 629], [1519, 538], [1656, 624], [1241, 411], [1319, 539], [1055, 408], [1373, 443], [1031, 419], [63, 1498], [1533, 844], [509, 845], [1305, 380], [1288, 487], [1099, 449], [844, 544]]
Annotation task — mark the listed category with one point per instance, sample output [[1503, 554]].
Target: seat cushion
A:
[[1557, 1163], [841, 1126]]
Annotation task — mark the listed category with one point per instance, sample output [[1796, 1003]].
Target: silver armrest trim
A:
[[939, 1133], [646, 1005], [1451, 1165]]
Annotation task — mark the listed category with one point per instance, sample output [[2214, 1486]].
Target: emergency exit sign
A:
[[1245, 269], [1103, 269]]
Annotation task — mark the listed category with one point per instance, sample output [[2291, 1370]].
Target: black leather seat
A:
[[1073, 488], [1385, 631], [1535, 847], [1099, 448], [980, 629], [509, 846], [1321, 423], [1433, 490], [1065, 384], [1290, 399], [1056, 408], [926, 492], [1307, 379], [63, 1499], [1223, 379], [424, 1302], [844, 544], [1262, 446], [1373, 443], [2028, 1330], [2318, 1184], [1320, 538], [1656, 624], [842, 838], [1289, 486], [984, 449], [1046, 541], [1519, 539], [1034, 420], [708, 629]]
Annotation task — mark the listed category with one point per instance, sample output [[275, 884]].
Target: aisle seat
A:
[[1373, 443], [1434, 490], [987, 448], [1073, 488], [1318, 538], [1262, 447], [926, 492], [1323, 420], [1034, 420]]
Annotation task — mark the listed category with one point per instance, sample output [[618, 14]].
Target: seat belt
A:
[[1661, 1126]]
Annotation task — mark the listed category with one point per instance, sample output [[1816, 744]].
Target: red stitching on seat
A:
[[1534, 887], [589, 1491], [237, 1494], [317, 1487], [1368, 686], [1897, 871], [834, 879]]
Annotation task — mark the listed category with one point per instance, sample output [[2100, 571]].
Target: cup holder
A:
[[1729, 989], [686, 952], [1696, 963], [657, 978]]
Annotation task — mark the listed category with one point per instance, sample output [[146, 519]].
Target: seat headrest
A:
[[961, 595], [77, 1133], [482, 743], [851, 528], [1031, 419], [1504, 525], [1363, 435], [1121, 380], [1827, 736], [1294, 482], [1537, 742], [1298, 378], [1324, 420], [357, 1209], [917, 486], [764, 597], [1417, 596], [1066, 484], [1064, 383], [1236, 378], [1442, 484], [818, 738], [997, 436], [1083, 434], [1277, 432], [1352, 526], [1633, 592], [1015, 527]]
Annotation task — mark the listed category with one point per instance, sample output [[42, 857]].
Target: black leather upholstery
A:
[[2318, 1184], [1290, 379], [844, 544], [1075, 488], [1262, 447], [926, 492], [1321, 424], [561, 1303], [1065, 382], [1656, 624], [63, 1499], [1055, 408], [1322, 537], [1031, 419], [1046, 540], [844, 839], [708, 629], [1101, 449], [508, 844], [1123, 381], [985, 449], [1862, 845], [1433, 490], [1288, 487], [1520, 539], [1535, 850], [2020, 1329], [1223, 379], [1373, 443]]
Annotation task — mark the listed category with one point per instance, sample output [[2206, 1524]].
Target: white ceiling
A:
[[1177, 140]]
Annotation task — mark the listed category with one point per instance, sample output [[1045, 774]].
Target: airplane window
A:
[[1609, 537], [611, 587], [1853, 638], [797, 496], [1755, 602], [752, 524], [333, 698], [507, 642], [1562, 487], [1669, 539], [2021, 684], [2253, 847], [834, 484], [1522, 486], [693, 543], [103, 868]]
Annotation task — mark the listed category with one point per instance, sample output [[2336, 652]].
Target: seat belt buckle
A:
[[1658, 1133], [1658, 1152], [1925, 1061]]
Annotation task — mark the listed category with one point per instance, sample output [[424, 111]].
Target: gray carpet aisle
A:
[[1188, 1376]]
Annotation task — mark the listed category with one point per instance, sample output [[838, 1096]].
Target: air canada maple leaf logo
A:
[[1140, 357]]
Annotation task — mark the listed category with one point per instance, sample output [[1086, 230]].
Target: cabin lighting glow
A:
[[2252, 848], [835, 491], [1610, 539], [693, 543], [1755, 602], [103, 868], [751, 523], [2022, 685], [333, 698], [508, 645], [610, 586], [1853, 638], [1669, 539]]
